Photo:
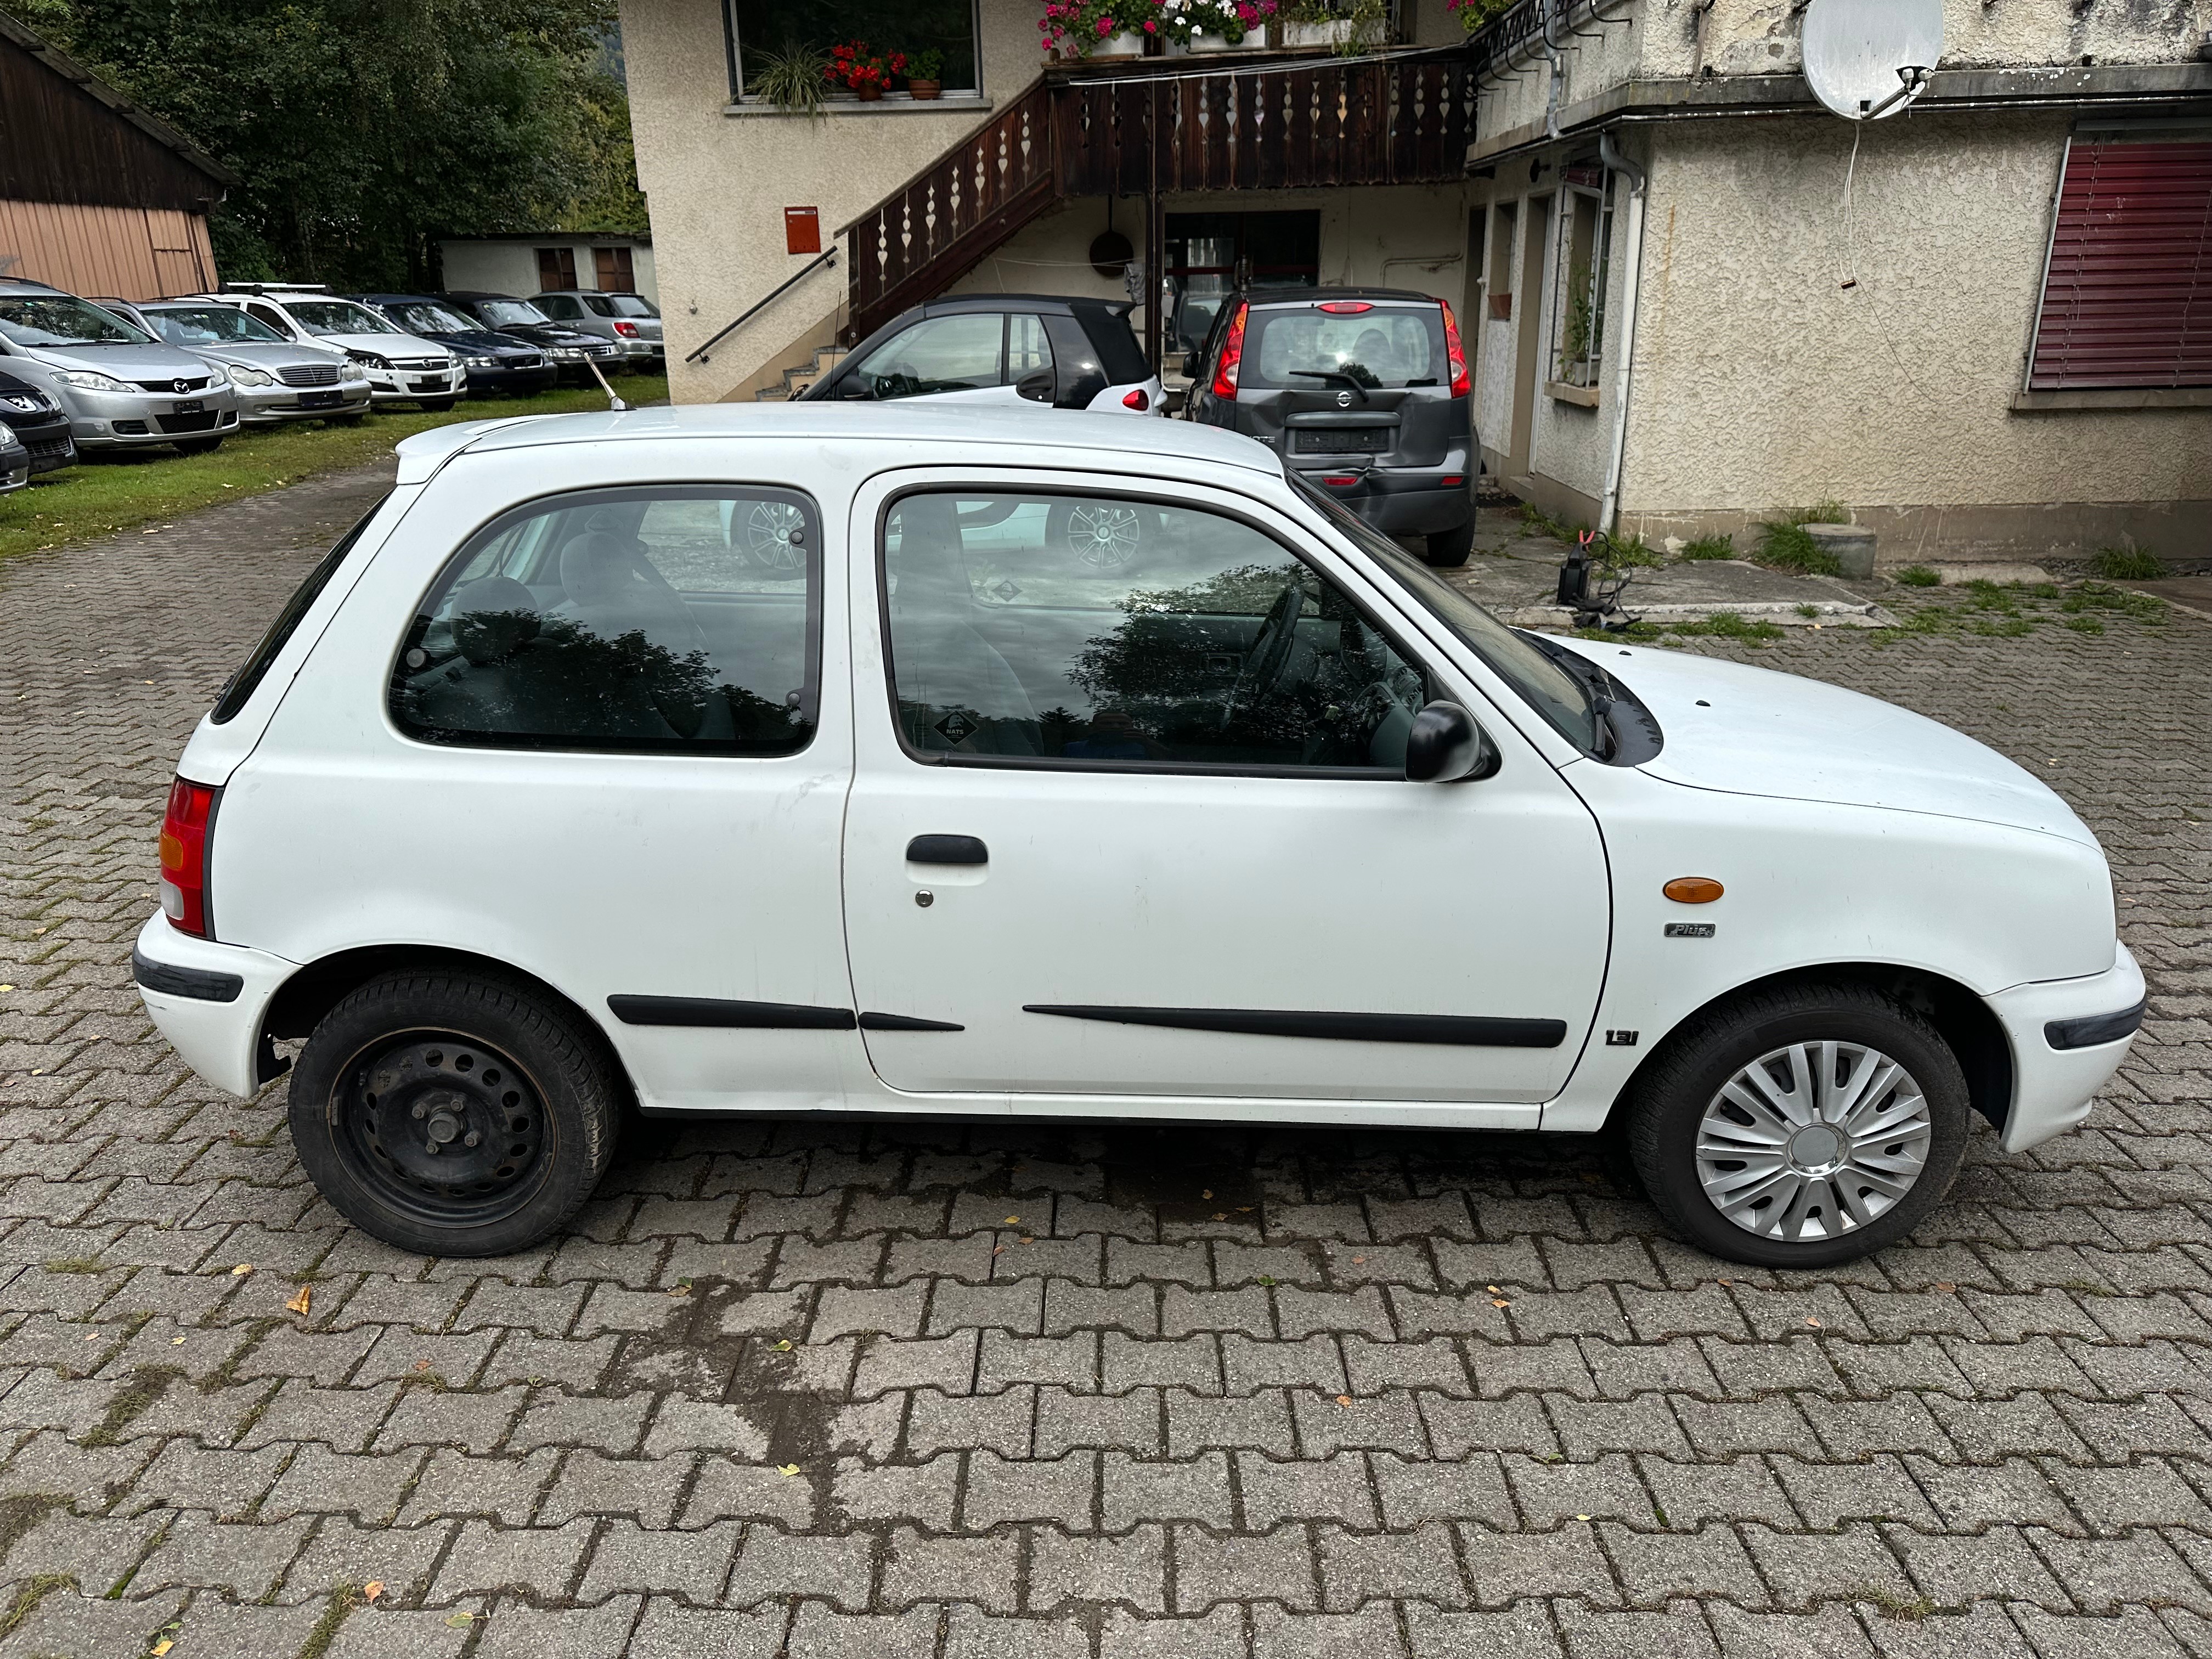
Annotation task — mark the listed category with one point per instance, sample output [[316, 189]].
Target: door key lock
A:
[[924, 898]]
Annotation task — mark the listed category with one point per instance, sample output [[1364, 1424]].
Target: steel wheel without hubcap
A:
[[1814, 1140], [442, 1127]]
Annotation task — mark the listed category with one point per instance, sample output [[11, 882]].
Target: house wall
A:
[[1761, 382], [509, 266], [122, 252]]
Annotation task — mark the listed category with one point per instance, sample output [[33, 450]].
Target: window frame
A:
[[838, 97], [1599, 201], [446, 575], [1418, 661]]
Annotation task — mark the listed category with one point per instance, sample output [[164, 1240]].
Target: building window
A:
[[2127, 290], [1579, 274], [556, 268], [948, 27], [613, 268], [1501, 262], [1210, 256]]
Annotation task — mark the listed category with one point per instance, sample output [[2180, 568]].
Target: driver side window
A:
[[940, 354], [1098, 630]]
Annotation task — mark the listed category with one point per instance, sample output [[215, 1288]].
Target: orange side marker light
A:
[[1692, 890]]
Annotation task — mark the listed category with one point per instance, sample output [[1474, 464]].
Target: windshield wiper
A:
[[1335, 374]]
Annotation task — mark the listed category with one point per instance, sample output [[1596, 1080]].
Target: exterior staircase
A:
[[791, 381]]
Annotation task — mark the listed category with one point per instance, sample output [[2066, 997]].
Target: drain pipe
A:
[[1634, 262], [1559, 68]]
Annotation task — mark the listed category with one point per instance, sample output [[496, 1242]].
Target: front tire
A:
[[453, 1115], [1799, 1128]]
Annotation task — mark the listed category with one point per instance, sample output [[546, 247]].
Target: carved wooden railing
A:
[[1267, 124]]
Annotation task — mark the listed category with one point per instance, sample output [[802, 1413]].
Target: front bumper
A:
[[121, 419], [208, 1000], [271, 406], [1410, 501], [393, 387], [520, 382], [14, 467], [49, 444], [2052, 1087]]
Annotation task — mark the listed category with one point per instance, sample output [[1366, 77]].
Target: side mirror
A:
[[1192, 361], [1036, 386], [849, 390], [1446, 746]]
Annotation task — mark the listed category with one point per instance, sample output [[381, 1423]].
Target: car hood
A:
[[477, 342], [1748, 731], [268, 355], [402, 348], [124, 363], [549, 334]]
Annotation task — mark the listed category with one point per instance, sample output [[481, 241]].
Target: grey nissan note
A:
[[1363, 391]]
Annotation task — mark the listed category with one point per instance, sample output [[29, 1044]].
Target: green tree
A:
[[362, 130]]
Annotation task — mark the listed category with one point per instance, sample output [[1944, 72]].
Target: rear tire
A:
[[453, 1114], [1830, 1199], [1449, 549]]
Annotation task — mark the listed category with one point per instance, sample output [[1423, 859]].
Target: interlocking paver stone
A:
[[1126, 1437]]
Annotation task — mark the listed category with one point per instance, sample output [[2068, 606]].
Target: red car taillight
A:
[[628, 330], [1232, 353], [184, 856], [1454, 353], [1344, 308], [1136, 400]]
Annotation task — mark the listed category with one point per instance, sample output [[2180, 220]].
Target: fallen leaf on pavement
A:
[[1343, 1400], [1814, 1323], [1499, 1302], [241, 1270], [301, 1302], [784, 1346], [372, 1590], [1206, 1192], [1011, 1219], [787, 1470], [461, 1621], [160, 1647]]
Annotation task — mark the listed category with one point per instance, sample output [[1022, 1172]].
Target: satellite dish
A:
[[1868, 58]]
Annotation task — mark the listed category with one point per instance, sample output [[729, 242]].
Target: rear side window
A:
[[1383, 346], [1120, 354], [678, 618], [239, 691]]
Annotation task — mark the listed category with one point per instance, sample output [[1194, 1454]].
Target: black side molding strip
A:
[[202, 984], [1471, 1030], [2094, 1030], [714, 1010], [904, 1022]]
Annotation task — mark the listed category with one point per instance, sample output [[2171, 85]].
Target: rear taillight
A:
[[1454, 353], [1232, 353], [1136, 400], [184, 856], [1344, 308], [628, 330]]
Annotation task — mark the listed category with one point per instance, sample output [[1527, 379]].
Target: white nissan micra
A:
[[803, 760]]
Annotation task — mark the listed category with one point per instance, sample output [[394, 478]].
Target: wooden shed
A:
[[96, 196]]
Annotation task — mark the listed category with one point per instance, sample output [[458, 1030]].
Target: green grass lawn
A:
[[98, 498]]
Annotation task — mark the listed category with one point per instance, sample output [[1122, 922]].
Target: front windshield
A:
[[620, 304], [200, 325], [63, 319], [1547, 688], [338, 317], [506, 313], [427, 318]]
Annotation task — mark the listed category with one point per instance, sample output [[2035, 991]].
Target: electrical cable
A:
[[1851, 273]]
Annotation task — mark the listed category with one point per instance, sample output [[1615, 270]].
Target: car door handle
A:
[[946, 850]]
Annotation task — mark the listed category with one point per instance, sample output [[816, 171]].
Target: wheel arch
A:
[[1965, 1023], [301, 1001]]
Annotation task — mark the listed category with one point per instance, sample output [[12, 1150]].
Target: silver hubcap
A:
[[1812, 1140]]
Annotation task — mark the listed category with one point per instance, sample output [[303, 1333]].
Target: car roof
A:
[[390, 299], [26, 282], [1307, 296], [915, 418], [1056, 304], [478, 294]]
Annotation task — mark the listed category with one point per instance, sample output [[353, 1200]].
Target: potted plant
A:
[[1101, 28], [794, 79], [1346, 27], [922, 69], [1199, 26], [866, 73]]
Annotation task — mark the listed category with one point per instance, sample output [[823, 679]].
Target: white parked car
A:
[[774, 759], [402, 367]]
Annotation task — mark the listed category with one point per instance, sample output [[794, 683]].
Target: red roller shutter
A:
[[2127, 299]]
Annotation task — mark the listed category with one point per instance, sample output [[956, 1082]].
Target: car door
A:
[[1142, 830], [959, 358]]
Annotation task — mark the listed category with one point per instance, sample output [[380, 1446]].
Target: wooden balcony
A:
[[1153, 127]]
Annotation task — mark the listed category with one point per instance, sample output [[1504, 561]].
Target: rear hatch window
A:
[[1382, 346], [1119, 354]]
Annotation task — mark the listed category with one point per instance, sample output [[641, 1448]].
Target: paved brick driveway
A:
[[1178, 1395]]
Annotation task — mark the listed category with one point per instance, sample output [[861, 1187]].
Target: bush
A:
[[2127, 564], [1710, 547], [1918, 575], [1783, 545]]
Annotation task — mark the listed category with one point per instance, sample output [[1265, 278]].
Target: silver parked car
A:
[[123, 389], [276, 380], [631, 320]]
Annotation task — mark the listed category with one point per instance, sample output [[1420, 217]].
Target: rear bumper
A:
[[208, 1000], [1408, 503], [2053, 1086]]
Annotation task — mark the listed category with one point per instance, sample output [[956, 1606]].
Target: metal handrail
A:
[[827, 258]]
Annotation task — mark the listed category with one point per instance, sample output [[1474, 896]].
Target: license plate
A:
[[428, 385], [319, 399], [194, 407], [1338, 440]]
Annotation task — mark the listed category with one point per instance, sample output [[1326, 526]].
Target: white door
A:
[[970, 357], [1142, 829]]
